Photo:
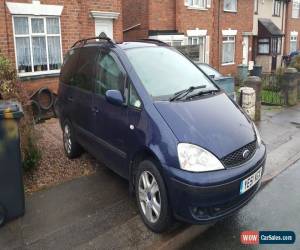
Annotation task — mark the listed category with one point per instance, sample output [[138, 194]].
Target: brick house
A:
[[269, 33], [36, 34], [293, 27], [221, 28]]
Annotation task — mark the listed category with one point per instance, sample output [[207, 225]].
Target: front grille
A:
[[237, 158]]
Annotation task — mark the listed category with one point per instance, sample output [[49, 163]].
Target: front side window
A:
[[134, 99], [38, 44], [293, 43], [109, 75], [230, 5], [296, 9], [264, 46], [200, 41], [276, 7], [167, 72], [228, 51]]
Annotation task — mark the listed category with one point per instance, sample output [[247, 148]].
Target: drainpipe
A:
[[6, 27], [286, 26]]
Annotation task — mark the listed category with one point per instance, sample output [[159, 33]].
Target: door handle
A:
[[70, 99]]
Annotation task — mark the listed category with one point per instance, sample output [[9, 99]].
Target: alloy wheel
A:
[[67, 139], [149, 196]]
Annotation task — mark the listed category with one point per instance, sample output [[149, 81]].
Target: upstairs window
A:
[[37, 44], [255, 6], [296, 9], [276, 7], [199, 4], [230, 5]]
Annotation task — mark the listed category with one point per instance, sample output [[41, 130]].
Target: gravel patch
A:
[[54, 167]]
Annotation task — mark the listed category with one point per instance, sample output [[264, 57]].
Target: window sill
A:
[[275, 15], [228, 64], [196, 8], [231, 11], [38, 75]]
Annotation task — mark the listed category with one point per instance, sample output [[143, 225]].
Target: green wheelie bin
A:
[[12, 203]]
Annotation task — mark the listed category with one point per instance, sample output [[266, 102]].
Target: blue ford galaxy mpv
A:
[[152, 116]]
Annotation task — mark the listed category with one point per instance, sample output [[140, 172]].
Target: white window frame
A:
[[227, 42], [293, 39], [231, 10], [296, 9], [197, 39], [276, 8], [30, 35], [196, 4]]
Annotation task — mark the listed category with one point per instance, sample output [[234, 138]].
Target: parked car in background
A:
[[224, 82], [152, 116]]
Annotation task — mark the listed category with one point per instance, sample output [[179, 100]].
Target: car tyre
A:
[[72, 148], [152, 198]]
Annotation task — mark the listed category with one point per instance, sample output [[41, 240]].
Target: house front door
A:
[[104, 25]]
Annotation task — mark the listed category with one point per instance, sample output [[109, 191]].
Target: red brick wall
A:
[[242, 21], [162, 15], [293, 24], [75, 24], [135, 12]]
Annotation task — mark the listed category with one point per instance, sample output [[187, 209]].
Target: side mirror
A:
[[114, 97]]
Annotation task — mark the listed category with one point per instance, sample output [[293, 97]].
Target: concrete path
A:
[[96, 212]]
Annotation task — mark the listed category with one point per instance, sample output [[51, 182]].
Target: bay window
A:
[[228, 51], [37, 44]]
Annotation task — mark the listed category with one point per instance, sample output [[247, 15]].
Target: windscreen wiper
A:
[[206, 92], [181, 94]]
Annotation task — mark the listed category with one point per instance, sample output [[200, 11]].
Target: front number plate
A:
[[250, 181]]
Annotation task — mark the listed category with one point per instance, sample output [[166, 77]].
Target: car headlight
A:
[[258, 137], [196, 159]]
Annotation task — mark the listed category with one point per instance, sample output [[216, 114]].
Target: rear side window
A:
[[70, 66], [110, 75], [84, 78]]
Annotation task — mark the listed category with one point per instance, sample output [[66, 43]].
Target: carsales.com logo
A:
[[267, 237]]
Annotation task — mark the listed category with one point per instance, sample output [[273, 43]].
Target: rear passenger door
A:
[[83, 83], [111, 121]]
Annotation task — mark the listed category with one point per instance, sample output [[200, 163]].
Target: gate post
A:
[[290, 82], [255, 82]]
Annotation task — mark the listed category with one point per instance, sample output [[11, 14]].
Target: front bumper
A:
[[200, 198]]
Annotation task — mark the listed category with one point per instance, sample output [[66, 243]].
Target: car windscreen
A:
[[210, 71], [164, 71]]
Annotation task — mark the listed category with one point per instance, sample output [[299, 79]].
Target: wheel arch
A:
[[139, 156]]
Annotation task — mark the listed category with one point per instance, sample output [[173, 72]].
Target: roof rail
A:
[[156, 41], [100, 37]]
